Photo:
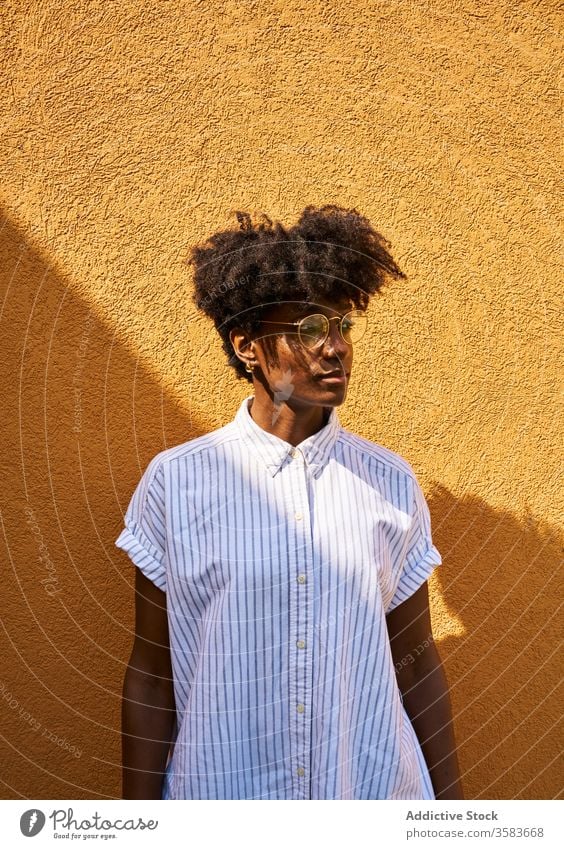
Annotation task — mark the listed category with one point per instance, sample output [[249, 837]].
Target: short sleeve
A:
[[144, 536], [421, 556]]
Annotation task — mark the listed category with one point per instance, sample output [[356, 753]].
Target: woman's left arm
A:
[[424, 688]]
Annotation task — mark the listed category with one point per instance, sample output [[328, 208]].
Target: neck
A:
[[293, 423]]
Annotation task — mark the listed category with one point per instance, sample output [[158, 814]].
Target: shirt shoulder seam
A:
[[192, 446], [377, 451]]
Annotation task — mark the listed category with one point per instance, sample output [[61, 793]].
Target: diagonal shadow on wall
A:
[[82, 419]]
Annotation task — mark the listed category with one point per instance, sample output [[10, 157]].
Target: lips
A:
[[324, 375]]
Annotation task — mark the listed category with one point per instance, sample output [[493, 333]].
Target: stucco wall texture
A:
[[129, 133]]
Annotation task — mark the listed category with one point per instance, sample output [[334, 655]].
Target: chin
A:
[[332, 392]]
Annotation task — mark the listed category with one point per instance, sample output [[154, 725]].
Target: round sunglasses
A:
[[313, 330]]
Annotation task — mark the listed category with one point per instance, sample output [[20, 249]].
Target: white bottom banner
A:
[[291, 825]]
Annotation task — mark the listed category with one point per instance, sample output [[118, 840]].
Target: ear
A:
[[242, 344]]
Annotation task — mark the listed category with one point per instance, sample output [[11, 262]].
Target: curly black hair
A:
[[331, 253]]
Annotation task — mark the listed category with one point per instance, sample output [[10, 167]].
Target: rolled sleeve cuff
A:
[[145, 556], [417, 575]]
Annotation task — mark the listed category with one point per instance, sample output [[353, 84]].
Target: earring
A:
[[249, 368]]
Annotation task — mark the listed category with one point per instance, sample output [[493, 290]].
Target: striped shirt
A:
[[279, 566]]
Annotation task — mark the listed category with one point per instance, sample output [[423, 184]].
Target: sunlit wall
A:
[[129, 133]]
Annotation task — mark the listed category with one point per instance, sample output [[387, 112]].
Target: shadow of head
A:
[[500, 578]]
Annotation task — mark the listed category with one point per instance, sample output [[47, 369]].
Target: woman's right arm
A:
[[148, 707]]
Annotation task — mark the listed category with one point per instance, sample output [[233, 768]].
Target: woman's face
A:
[[300, 373]]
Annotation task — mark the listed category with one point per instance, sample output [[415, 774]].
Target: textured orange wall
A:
[[131, 132]]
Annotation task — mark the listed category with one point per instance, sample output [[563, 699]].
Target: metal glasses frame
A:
[[320, 341]]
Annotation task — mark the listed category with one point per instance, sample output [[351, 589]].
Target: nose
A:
[[335, 345]]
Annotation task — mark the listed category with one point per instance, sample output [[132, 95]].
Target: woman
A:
[[283, 645]]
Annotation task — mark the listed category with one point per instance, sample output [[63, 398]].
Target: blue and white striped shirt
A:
[[279, 565]]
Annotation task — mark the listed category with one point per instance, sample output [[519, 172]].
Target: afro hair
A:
[[331, 253]]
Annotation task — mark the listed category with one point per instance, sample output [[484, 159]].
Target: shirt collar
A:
[[275, 453]]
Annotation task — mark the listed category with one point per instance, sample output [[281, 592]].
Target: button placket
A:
[[301, 628]]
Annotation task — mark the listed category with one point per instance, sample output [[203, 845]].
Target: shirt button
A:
[[300, 644], [301, 579], [300, 770], [298, 517], [294, 452], [300, 708]]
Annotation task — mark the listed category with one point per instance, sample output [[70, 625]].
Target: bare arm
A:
[[148, 708], [424, 689]]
